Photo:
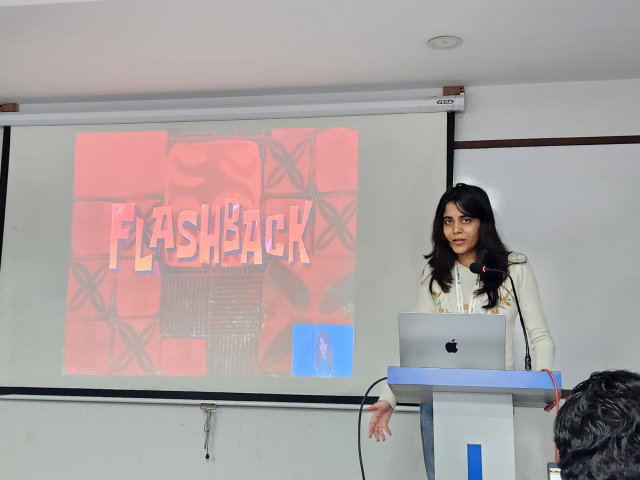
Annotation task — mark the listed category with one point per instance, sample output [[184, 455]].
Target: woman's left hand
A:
[[550, 406]]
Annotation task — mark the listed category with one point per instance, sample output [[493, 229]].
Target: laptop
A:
[[452, 340]]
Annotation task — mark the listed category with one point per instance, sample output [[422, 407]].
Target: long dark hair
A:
[[474, 202], [324, 335]]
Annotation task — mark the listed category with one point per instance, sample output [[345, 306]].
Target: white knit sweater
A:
[[527, 288]]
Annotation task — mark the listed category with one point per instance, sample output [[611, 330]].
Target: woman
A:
[[464, 232], [324, 355]]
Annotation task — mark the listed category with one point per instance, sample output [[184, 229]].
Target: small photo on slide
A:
[[322, 351]]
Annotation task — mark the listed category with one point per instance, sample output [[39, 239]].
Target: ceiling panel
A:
[[160, 47]]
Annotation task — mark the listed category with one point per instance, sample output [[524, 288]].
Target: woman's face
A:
[[461, 231], [322, 346]]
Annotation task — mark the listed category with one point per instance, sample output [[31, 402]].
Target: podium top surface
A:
[[416, 385]]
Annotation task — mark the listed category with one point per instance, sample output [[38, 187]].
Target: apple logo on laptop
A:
[[452, 346]]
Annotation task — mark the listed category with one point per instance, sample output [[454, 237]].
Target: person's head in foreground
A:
[[598, 428]]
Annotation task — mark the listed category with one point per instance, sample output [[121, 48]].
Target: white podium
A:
[[473, 415]]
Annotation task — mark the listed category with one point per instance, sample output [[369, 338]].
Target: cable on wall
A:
[[207, 408], [364, 399]]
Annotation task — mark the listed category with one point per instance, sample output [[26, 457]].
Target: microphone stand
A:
[[484, 269]]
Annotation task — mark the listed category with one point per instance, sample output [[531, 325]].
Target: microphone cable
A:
[[527, 355], [479, 268], [360, 422], [555, 386]]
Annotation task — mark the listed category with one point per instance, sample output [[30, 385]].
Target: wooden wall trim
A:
[[547, 142]]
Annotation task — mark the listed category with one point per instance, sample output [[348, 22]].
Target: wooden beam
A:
[[9, 107], [452, 91]]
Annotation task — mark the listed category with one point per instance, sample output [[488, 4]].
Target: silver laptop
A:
[[452, 340]]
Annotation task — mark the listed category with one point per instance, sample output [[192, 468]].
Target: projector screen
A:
[[254, 256]]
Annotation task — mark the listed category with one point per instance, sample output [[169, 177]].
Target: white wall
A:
[[58, 440], [554, 110], [70, 440], [573, 109]]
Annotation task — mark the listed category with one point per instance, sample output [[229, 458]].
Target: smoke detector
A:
[[444, 42]]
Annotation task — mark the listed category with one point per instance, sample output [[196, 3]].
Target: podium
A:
[[473, 415]]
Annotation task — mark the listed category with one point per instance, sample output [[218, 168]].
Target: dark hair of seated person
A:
[[598, 428]]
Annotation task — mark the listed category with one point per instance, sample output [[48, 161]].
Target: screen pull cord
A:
[[555, 386], [207, 408], [360, 421]]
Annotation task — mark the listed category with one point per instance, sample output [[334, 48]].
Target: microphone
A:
[[481, 269], [478, 268]]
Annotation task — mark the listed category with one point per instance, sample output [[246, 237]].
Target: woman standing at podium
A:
[[464, 232]]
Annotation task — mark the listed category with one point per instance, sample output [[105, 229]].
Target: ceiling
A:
[[162, 48]]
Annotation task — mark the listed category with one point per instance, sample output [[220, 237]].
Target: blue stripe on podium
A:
[[474, 461]]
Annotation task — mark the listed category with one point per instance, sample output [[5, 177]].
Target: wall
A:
[[573, 109], [576, 109], [70, 440], [106, 441]]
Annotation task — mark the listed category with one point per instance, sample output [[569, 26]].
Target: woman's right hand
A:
[[379, 422]]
